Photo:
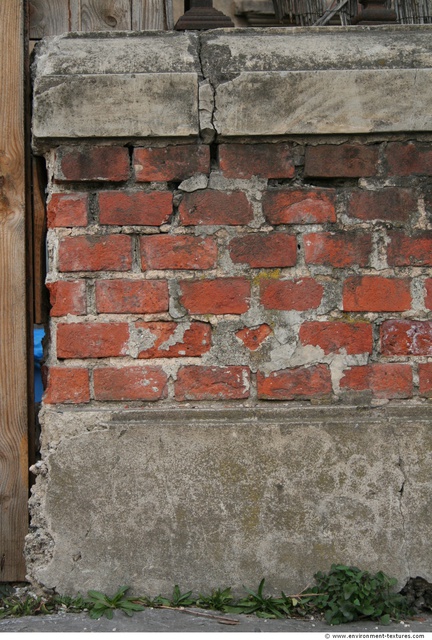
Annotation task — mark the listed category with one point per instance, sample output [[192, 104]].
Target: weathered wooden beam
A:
[[13, 360]]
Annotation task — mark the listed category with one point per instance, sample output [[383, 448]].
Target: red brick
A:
[[92, 340], [264, 250], [286, 295], [132, 296], [383, 380], [406, 338], [95, 253], [374, 293], [130, 383], [67, 386], [299, 206], [135, 207], [333, 337], [174, 163], [409, 158], [264, 160], [212, 383], [67, 210], [405, 251], [339, 250], [390, 203], [341, 161], [101, 164], [215, 207], [67, 297], [178, 252], [221, 295], [425, 379], [253, 338], [299, 383], [174, 339], [428, 298]]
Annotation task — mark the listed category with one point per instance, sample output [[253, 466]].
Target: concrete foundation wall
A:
[[240, 357]]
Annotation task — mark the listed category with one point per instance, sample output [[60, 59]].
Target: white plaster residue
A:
[[200, 181], [176, 337], [140, 340]]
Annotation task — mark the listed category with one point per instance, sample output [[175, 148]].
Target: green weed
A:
[[102, 605]]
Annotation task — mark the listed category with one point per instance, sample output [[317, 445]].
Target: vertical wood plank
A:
[[48, 17], [150, 15], [105, 15], [13, 360]]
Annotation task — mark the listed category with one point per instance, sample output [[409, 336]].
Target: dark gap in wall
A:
[[331, 182], [418, 592], [214, 155]]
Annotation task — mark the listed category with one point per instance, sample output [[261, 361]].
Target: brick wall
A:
[[243, 272]]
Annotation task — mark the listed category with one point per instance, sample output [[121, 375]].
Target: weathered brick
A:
[[67, 297], [95, 253], [391, 203], [67, 386], [101, 164], [339, 250], [130, 383], [132, 296], [253, 338], [409, 158], [341, 161], [215, 207], [406, 338], [263, 160], [177, 252], [388, 381], [425, 379], [404, 251], [287, 295], [212, 383], [264, 250], [173, 339], [221, 295], [172, 163], [428, 297], [299, 206], [67, 210], [92, 340], [299, 383], [375, 293], [135, 207], [332, 337]]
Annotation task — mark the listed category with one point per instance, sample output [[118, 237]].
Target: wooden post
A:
[[13, 359]]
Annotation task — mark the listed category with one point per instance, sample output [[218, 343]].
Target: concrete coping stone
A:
[[263, 82]]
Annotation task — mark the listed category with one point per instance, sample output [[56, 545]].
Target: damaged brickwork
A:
[[287, 271], [219, 278]]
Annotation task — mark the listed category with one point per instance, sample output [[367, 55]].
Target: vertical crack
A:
[[401, 465], [206, 102]]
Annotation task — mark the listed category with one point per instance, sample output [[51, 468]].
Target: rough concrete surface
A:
[[266, 82], [219, 497], [152, 620]]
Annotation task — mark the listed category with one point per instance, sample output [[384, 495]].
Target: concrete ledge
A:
[[129, 85], [215, 497], [266, 82]]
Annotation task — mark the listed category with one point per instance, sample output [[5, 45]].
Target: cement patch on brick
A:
[[214, 497]]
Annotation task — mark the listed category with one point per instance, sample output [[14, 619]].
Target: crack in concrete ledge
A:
[[401, 465]]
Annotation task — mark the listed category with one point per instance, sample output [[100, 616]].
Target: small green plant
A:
[[217, 600], [178, 599], [263, 606], [346, 593], [102, 605]]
